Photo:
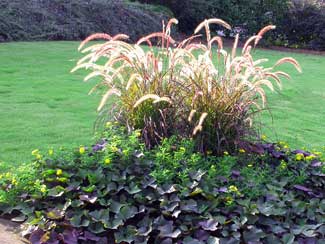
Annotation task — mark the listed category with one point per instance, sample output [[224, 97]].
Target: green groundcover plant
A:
[[117, 191], [187, 88]]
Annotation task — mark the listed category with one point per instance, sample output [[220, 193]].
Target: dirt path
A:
[[9, 233]]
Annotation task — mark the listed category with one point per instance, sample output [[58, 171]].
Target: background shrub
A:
[[300, 23], [74, 19], [304, 26], [250, 14]]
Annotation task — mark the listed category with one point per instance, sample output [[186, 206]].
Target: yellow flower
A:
[[114, 148], [59, 172], [38, 156], [242, 150], [43, 188], [108, 124], [250, 165], [310, 157], [51, 152], [263, 137], [125, 152], [229, 200], [107, 160], [300, 156], [14, 181], [317, 153], [233, 189], [35, 152], [137, 133], [286, 146], [283, 165], [226, 153], [82, 150], [209, 152]]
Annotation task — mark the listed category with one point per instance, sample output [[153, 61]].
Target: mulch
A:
[[9, 233]]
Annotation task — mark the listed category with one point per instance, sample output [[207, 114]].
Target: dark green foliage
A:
[[73, 19], [300, 24], [113, 193], [251, 14], [304, 27]]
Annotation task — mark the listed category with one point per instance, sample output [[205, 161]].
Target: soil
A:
[[9, 233]]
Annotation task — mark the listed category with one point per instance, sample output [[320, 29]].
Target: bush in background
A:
[[301, 23], [304, 26], [250, 14], [74, 19]]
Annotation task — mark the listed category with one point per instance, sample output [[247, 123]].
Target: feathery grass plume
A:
[[94, 37], [188, 89]]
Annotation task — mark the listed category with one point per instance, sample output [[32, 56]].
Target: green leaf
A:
[[126, 235], [57, 191], [115, 207], [127, 212], [213, 240], [100, 216], [55, 214], [79, 220], [288, 238]]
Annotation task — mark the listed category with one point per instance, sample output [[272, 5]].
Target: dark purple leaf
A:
[[316, 164], [36, 236], [302, 188], [88, 236], [86, 198], [201, 235], [189, 205], [54, 239], [99, 146], [210, 225], [270, 197], [279, 155], [268, 146], [235, 173], [318, 174], [220, 190], [307, 240], [305, 153], [222, 179], [256, 148], [167, 241], [70, 236]]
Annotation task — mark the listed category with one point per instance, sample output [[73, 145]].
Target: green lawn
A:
[[43, 105]]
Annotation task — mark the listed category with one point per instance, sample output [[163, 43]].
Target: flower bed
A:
[[118, 192]]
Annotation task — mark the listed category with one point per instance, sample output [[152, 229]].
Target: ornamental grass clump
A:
[[189, 88]]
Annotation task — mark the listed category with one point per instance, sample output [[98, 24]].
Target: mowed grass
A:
[[43, 105]]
